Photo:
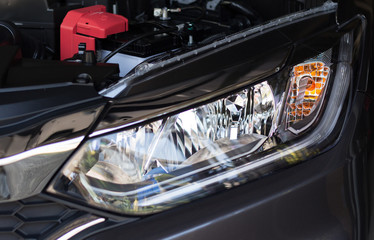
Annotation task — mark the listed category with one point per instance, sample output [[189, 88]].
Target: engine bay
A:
[[99, 42]]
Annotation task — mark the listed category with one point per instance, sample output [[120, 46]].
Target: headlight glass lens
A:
[[141, 162], [193, 136], [197, 152], [307, 89]]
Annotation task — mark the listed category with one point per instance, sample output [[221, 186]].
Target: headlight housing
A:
[[218, 145]]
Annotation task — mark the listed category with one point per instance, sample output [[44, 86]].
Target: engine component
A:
[[12, 54], [9, 34], [85, 24], [163, 13], [37, 23], [156, 42], [212, 5], [31, 72], [127, 62], [185, 1], [134, 10]]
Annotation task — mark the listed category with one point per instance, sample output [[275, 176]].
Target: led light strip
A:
[[47, 149], [79, 229], [18, 169]]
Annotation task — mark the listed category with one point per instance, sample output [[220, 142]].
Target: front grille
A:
[[33, 218]]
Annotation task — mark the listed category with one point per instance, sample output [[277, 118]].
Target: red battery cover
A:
[[84, 25]]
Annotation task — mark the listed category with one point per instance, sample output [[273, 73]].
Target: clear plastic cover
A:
[[307, 89], [136, 163], [194, 153]]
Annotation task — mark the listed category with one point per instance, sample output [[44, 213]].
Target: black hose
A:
[[198, 18], [124, 45], [152, 23], [216, 23]]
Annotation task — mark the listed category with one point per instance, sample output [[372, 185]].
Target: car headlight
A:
[[215, 146]]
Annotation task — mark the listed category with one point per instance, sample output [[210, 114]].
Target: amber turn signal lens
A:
[[308, 82]]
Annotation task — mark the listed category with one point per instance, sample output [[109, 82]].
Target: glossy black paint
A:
[[321, 198], [346, 10], [312, 200], [308, 201], [33, 116], [327, 197], [221, 71], [362, 166]]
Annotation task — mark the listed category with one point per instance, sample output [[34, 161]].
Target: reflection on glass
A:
[[130, 166], [307, 88], [164, 163], [189, 155]]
